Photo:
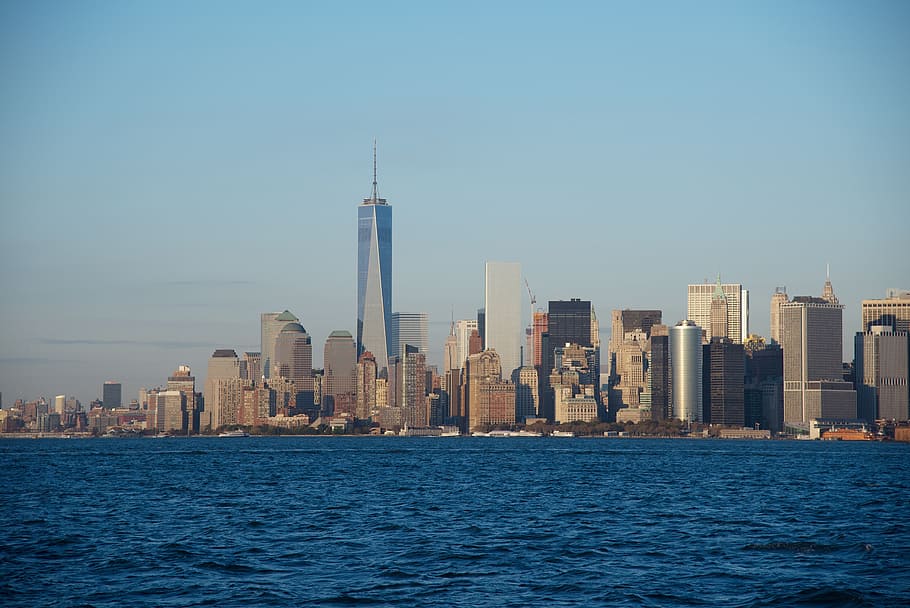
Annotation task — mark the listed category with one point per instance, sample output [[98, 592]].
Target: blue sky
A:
[[170, 170]]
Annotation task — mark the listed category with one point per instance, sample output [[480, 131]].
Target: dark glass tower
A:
[[374, 275]]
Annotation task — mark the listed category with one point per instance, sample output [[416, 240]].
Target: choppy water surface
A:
[[453, 522]]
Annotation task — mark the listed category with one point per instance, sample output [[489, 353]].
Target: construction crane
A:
[[533, 299]]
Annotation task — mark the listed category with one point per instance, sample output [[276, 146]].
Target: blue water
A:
[[387, 521]]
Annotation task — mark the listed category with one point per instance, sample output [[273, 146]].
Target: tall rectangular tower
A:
[[502, 318], [374, 275], [812, 342], [409, 328], [699, 309]]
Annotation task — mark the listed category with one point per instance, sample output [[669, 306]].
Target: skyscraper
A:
[[223, 390], [892, 311], [882, 374], [659, 376], [727, 361], [340, 370], [812, 342], [778, 299], [699, 309], [409, 328], [374, 275], [182, 380], [686, 370], [271, 324], [110, 395], [502, 313], [463, 329], [293, 359]]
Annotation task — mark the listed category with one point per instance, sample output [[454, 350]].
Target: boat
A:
[[563, 434], [237, 433]]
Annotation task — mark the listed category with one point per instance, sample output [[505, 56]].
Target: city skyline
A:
[[151, 216]]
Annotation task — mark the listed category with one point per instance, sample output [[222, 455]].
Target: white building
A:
[[502, 304]]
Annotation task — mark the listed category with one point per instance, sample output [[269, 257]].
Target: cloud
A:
[[23, 360], [167, 344]]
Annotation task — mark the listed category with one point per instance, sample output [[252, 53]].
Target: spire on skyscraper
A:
[[718, 289], [375, 195]]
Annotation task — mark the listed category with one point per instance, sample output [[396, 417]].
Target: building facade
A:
[[812, 343], [410, 328], [374, 275], [502, 313], [699, 309], [686, 360]]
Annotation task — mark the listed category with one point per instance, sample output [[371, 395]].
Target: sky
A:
[[170, 170]]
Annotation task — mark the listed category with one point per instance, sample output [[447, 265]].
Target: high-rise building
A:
[[252, 367], [271, 324], [573, 381], [568, 322], [60, 404], [502, 313], [409, 328], [659, 372], [223, 394], [374, 275], [882, 374], [744, 320], [463, 329], [527, 402], [778, 299], [812, 342], [699, 309], [170, 412], [110, 395], [892, 311], [718, 312], [488, 399], [450, 352], [726, 393], [686, 362], [365, 386], [182, 380], [539, 327], [293, 359], [340, 369]]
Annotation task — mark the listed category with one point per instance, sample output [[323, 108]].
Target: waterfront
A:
[[454, 521]]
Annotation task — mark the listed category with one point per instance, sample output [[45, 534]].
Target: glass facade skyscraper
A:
[[374, 276]]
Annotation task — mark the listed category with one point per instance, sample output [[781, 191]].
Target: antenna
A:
[[375, 189]]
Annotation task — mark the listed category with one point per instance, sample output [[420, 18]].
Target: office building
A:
[[223, 391], [882, 374], [365, 386], [340, 358], [892, 311], [764, 386], [374, 275], [726, 390], [527, 401], [271, 323], [463, 329], [60, 404], [409, 328], [686, 361], [182, 380], [659, 373], [568, 322], [293, 360], [574, 384], [700, 309], [110, 395], [502, 313], [778, 299], [170, 412], [812, 341], [539, 327], [489, 400], [744, 320], [251, 366]]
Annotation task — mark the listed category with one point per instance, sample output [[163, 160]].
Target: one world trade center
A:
[[374, 275]]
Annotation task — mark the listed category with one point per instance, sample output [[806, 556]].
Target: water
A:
[[387, 521]]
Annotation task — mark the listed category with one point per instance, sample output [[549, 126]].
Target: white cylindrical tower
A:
[[686, 366]]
